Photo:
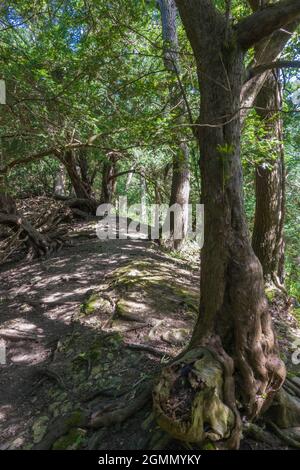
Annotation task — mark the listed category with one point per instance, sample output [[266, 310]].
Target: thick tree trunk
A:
[[232, 303], [267, 237], [84, 170], [234, 322], [180, 187], [81, 188], [84, 203]]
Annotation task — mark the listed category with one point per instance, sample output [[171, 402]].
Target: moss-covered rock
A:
[[176, 336], [94, 303]]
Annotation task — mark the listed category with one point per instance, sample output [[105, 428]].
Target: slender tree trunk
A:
[[267, 240], [108, 181], [180, 187], [60, 182], [143, 187]]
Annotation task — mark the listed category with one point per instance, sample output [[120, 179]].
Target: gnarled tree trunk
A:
[[267, 240], [84, 202], [234, 322], [81, 188]]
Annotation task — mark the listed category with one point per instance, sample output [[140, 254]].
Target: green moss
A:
[[76, 419], [39, 428], [296, 313], [121, 308], [89, 306], [70, 441], [209, 446], [270, 293]]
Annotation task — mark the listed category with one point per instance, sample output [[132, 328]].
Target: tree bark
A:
[[108, 181], [81, 187], [180, 186], [234, 321], [267, 240], [80, 182], [60, 182]]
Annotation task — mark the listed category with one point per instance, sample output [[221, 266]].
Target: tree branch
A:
[[279, 64], [264, 22], [31, 158]]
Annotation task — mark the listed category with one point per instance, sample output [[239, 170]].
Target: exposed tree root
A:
[[284, 436], [38, 244], [147, 348], [194, 403], [285, 410], [14, 335], [106, 392], [61, 426], [159, 441], [10, 245], [50, 374], [87, 206], [292, 388], [278, 284], [258, 434], [80, 214], [122, 413], [110, 415]]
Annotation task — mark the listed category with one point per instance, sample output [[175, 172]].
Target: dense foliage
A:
[[90, 75]]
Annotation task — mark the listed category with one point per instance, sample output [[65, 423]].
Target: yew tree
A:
[[233, 336]]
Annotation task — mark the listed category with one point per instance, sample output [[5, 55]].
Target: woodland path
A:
[[85, 328], [60, 350]]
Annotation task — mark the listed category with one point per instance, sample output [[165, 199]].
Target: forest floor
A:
[[83, 329]]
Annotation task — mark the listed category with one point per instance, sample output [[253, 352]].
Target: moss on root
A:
[[188, 400], [71, 441]]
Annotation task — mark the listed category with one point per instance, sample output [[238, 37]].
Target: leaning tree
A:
[[232, 368]]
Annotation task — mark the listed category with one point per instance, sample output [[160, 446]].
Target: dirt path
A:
[[67, 322], [85, 329]]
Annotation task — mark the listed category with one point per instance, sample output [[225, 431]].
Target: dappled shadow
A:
[[42, 301]]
